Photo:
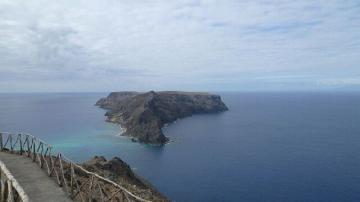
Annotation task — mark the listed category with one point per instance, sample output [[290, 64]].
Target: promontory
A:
[[143, 115], [121, 173]]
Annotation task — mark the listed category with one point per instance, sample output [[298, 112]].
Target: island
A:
[[143, 115]]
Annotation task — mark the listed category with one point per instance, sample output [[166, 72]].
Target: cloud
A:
[[340, 82], [286, 27], [187, 45]]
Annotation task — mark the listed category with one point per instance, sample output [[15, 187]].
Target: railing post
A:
[[11, 147], [2, 194], [21, 147], [71, 179], [34, 154], [28, 145], [10, 197]]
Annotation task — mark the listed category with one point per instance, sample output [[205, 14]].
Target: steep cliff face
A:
[[144, 114], [121, 173]]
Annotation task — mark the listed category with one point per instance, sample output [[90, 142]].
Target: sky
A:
[[190, 45]]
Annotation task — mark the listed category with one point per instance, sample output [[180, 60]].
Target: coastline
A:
[[144, 115]]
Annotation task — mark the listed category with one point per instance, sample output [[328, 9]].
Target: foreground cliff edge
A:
[[121, 173], [142, 115]]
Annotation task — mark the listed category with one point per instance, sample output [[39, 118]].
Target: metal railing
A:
[[80, 184]]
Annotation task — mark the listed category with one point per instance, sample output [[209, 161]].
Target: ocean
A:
[[269, 146]]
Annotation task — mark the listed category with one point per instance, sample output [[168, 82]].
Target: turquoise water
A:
[[68, 121], [267, 147]]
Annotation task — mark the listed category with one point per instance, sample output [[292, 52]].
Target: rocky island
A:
[[143, 115]]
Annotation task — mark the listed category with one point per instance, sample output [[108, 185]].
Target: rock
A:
[[144, 114], [121, 173]]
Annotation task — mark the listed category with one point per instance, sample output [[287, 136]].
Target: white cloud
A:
[[122, 44]]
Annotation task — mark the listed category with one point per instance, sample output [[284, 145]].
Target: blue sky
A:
[[227, 45]]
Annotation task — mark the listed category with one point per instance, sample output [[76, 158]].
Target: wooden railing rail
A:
[[79, 183], [10, 190]]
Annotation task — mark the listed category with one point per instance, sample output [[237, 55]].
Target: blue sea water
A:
[[267, 147]]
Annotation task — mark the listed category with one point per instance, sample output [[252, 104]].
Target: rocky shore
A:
[[142, 115]]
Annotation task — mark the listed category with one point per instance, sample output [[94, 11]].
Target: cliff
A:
[[143, 115], [121, 173]]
